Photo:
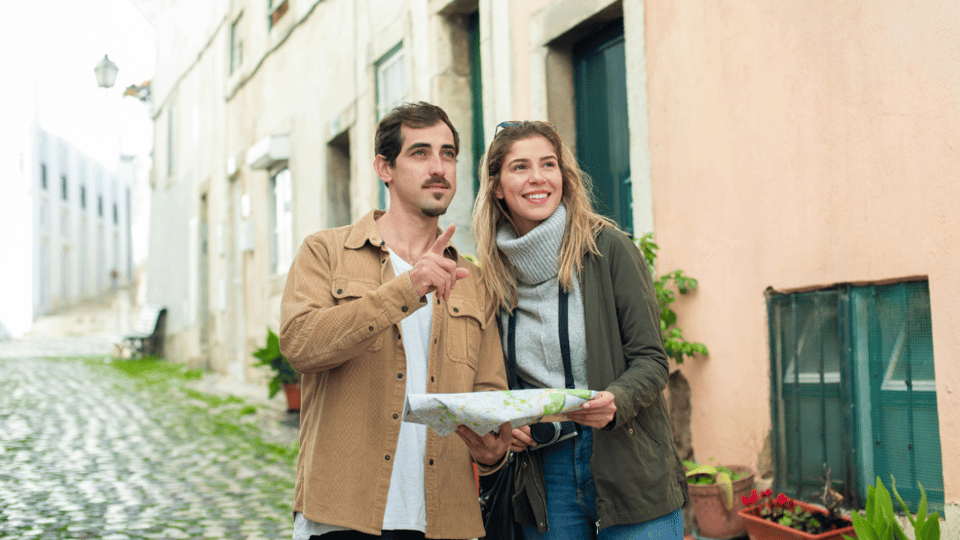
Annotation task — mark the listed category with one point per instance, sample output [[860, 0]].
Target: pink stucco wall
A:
[[798, 144]]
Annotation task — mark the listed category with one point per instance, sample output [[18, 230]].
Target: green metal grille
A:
[[853, 388]]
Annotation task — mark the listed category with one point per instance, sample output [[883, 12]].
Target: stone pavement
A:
[[87, 451]]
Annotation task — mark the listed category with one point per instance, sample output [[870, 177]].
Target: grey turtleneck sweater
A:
[[536, 256]]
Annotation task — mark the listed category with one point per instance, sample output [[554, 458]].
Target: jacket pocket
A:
[[344, 289], [464, 324]]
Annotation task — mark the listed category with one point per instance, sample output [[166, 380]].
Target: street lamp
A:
[[106, 72]]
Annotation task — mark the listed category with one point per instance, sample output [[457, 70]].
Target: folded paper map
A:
[[483, 412]]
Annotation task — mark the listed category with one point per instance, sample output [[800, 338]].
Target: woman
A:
[[548, 256]]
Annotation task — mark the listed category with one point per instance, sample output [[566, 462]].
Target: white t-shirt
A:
[[406, 498]]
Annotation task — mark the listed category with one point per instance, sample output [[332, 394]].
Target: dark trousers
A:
[[385, 535]]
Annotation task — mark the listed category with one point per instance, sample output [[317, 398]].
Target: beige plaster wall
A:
[[798, 144]]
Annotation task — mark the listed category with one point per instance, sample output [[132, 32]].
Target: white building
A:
[[65, 224]]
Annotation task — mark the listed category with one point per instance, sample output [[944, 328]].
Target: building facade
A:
[[797, 159], [66, 227]]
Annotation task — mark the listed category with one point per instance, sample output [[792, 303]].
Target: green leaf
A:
[[274, 386], [930, 529], [723, 480], [702, 469], [863, 528], [893, 487]]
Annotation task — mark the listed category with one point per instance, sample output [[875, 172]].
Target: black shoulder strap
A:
[[565, 340], [512, 350], [564, 344]]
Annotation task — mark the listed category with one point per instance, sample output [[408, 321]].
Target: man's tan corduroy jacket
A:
[[340, 328]]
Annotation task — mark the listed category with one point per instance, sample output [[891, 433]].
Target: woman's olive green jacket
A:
[[636, 469]]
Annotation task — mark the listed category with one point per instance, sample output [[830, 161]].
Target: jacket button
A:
[[431, 378], [455, 310], [384, 261], [339, 291], [431, 462], [370, 328], [395, 416], [387, 457], [438, 300], [630, 431], [404, 309], [399, 375]]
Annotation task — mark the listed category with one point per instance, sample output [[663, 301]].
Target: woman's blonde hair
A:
[[489, 212]]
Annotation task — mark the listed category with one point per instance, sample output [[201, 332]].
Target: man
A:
[[376, 310]]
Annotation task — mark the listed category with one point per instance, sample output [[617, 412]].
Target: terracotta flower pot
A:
[[709, 502], [293, 396], [759, 528]]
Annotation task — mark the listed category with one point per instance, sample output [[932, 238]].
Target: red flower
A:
[[745, 500], [767, 493], [754, 497], [782, 499]]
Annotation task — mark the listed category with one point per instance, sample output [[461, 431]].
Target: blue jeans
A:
[[572, 500]]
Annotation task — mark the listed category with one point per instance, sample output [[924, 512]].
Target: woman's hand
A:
[[596, 413], [522, 439]]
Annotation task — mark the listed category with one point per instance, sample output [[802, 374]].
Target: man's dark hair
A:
[[389, 140]]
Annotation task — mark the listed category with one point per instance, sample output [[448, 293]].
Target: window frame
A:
[[393, 57], [236, 45], [276, 12], [860, 391], [280, 197]]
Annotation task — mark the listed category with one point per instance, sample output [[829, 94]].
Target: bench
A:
[[147, 336]]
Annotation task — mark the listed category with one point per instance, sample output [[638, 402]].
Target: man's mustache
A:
[[437, 181]]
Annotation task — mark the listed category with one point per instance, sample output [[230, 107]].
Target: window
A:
[[854, 387], [100, 205], [391, 81], [391, 84], [43, 175], [171, 151], [276, 9], [281, 219], [236, 44], [63, 186], [116, 215], [83, 196]]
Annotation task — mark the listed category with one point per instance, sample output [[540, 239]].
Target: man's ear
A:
[[383, 168]]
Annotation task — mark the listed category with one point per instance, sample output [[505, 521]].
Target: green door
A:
[[603, 136]]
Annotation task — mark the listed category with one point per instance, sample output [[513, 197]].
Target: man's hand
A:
[[596, 413], [434, 272], [490, 448]]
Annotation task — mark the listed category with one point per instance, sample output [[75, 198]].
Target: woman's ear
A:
[[497, 191]]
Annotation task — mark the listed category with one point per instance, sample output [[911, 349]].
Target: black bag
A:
[[496, 503]]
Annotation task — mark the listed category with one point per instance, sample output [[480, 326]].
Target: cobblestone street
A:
[[90, 451]]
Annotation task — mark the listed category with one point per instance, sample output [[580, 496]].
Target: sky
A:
[[50, 47]]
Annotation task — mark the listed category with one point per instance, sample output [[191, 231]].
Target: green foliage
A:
[[879, 521], [271, 357], [713, 474], [673, 342]]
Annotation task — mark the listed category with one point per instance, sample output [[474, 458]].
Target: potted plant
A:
[[713, 490], [879, 520], [284, 375], [784, 518]]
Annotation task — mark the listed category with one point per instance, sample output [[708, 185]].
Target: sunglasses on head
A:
[[516, 123]]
